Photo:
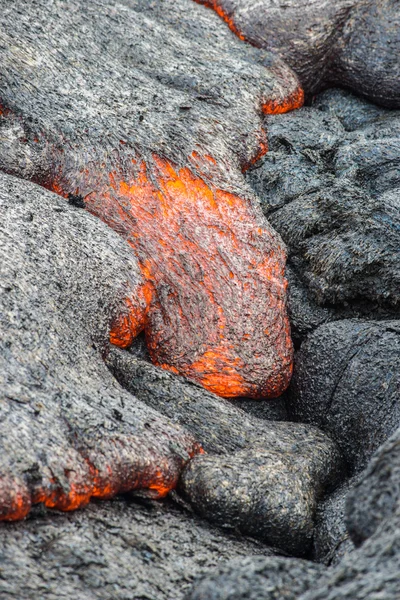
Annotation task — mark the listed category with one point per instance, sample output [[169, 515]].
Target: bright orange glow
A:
[[209, 272], [295, 100]]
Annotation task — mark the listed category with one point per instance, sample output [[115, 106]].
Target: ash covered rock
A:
[[68, 430], [330, 185], [348, 43], [268, 477], [258, 578], [347, 381], [117, 550]]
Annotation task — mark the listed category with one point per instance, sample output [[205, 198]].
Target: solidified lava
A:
[[155, 145], [68, 431], [347, 43]]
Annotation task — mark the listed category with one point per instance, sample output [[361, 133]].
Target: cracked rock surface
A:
[[347, 381], [116, 549]]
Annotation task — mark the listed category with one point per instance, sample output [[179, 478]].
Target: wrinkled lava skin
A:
[[155, 143], [346, 43], [68, 431]]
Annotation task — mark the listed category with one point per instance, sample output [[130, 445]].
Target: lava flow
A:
[[213, 303]]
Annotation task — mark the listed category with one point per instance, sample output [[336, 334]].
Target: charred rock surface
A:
[[330, 186], [347, 381], [258, 578], [349, 43], [268, 477], [68, 430], [116, 550], [152, 137]]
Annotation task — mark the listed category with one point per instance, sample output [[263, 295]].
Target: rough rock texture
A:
[[270, 475], [258, 578], [370, 572], [330, 185], [68, 431], [373, 516], [331, 538], [376, 497], [347, 381], [349, 43], [264, 492], [120, 550], [152, 136]]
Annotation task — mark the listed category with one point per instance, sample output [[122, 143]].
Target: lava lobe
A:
[[156, 145]]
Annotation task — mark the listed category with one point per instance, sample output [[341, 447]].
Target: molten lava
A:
[[213, 303]]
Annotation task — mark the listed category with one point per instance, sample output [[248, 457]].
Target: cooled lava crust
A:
[[347, 43]]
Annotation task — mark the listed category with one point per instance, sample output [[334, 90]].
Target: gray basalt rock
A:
[[347, 381], [373, 520], [118, 549], [348, 43], [263, 478], [258, 578], [262, 492], [68, 430]]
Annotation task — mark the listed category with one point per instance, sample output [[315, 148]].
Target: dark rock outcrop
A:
[[330, 185]]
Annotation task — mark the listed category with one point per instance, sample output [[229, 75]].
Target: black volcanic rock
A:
[[330, 185], [375, 499], [347, 381], [258, 578], [267, 476]]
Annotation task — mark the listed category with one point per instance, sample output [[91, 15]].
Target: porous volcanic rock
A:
[[152, 137], [68, 430], [347, 381], [370, 572], [263, 478], [258, 578], [373, 517], [348, 43], [118, 549], [330, 185]]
